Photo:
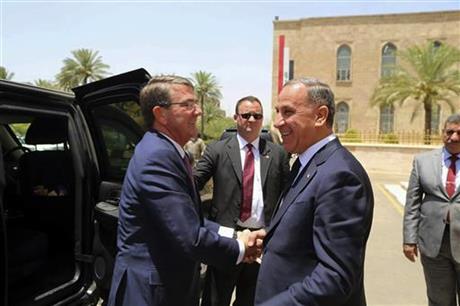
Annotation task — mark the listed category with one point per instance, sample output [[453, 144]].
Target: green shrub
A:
[[389, 138], [351, 135]]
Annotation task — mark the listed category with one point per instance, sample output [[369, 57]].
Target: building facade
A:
[[352, 53]]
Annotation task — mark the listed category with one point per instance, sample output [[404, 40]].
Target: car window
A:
[[120, 128]]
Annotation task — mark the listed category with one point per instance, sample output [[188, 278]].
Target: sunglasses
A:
[[256, 116]]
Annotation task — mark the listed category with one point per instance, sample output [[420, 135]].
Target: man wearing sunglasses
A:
[[248, 174]]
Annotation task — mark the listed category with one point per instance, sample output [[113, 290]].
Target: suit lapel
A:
[[233, 153], [194, 194], [301, 182], [265, 160]]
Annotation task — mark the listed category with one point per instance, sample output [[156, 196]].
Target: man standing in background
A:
[[248, 173], [432, 216]]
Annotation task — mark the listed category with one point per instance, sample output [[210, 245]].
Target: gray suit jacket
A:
[[221, 161], [427, 203]]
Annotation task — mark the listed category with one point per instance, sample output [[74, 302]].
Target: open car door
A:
[[112, 113], [3, 250]]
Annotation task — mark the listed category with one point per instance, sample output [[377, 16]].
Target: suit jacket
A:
[[315, 246], [162, 237], [426, 207], [222, 161]]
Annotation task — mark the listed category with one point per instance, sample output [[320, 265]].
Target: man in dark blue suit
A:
[[162, 236], [315, 246]]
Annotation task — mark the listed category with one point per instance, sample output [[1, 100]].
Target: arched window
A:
[[435, 116], [388, 60], [344, 63], [341, 117], [386, 119]]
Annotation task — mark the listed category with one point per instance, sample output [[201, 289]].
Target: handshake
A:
[[253, 242]]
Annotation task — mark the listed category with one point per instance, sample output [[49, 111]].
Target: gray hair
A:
[[157, 93], [318, 93], [452, 119]]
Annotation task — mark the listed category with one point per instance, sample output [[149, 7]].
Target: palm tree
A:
[[47, 84], [5, 75], [427, 75], [208, 92], [85, 66]]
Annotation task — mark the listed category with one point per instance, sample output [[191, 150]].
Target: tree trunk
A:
[[202, 116], [428, 111]]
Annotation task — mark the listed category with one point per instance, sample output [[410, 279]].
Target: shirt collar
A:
[[242, 142], [446, 154], [306, 155], [176, 145]]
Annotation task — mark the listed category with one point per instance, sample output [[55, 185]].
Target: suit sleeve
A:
[[206, 166], [412, 208], [165, 190], [341, 222]]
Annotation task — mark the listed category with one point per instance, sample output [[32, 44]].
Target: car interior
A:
[[39, 204]]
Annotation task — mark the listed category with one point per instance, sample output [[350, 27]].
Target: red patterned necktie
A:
[[451, 173], [248, 184]]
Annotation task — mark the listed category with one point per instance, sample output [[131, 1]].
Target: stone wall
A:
[[387, 158]]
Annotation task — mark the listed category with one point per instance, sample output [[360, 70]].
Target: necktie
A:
[[294, 171], [188, 166], [248, 184], [451, 173]]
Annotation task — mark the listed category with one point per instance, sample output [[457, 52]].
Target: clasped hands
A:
[[253, 242]]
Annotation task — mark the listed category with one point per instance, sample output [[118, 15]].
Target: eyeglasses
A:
[[257, 116], [189, 105]]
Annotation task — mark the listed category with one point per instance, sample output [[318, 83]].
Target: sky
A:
[[233, 40]]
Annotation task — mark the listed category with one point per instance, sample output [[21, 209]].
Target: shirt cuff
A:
[[226, 231], [229, 232]]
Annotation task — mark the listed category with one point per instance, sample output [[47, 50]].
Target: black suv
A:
[[64, 158]]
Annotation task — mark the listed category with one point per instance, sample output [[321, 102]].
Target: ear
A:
[[235, 117], [159, 115], [322, 113]]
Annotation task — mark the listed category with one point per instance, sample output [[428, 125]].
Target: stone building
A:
[[352, 53]]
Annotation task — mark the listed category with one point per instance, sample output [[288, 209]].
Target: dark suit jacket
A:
[[162, 237], [315, 246], [222, 161]]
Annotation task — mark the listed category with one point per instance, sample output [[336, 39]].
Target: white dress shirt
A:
[[256, 220]]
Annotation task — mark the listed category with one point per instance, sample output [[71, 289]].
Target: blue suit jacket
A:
[[315, 245], [162, 237]]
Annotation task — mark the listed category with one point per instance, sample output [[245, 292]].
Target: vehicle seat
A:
[[47, 178]]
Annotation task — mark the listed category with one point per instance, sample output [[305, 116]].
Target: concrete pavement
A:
[[390, 279]]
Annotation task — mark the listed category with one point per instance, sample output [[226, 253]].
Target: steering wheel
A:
[[7, 153]]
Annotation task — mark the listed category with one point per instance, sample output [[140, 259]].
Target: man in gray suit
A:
[[432, 216], [227, 161]]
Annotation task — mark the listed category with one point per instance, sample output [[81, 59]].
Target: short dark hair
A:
[[317, 93], [454, 118], [251, 99], [157, 92]]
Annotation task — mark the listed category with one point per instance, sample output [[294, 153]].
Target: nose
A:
[[455, 136], [279, 121], [198, 110]]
